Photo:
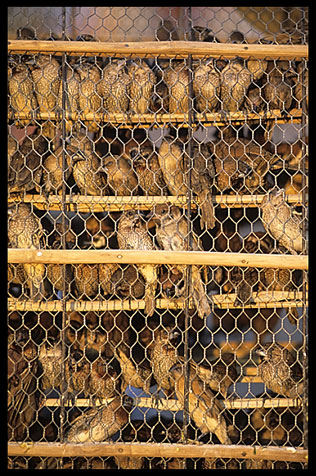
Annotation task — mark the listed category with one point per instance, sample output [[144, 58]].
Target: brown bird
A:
[[127, 283], [25, 231], [141, 86], [105, 276], [55, 273], [163, 355], [280, 371], [86, 167], [51, 360], [171, 283], [175, 167], [68, 97], [86, 278], [135, 374], [161, 93], [176, 78], [148, 171], [114, 87], [201, 33], [301, 81], [172, 229], [205, 410], [101, 423], [20, 87], [235, 81], [132, 234], [85, 334], [254, 101], [25, 167], [278, 86], [53, 173], [281, 222], [121, 177], [90, 99], [206, 86]]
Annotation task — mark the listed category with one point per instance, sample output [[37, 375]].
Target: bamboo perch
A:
[[161, 450], [163, 49], [206, 258], [221, 301], [155, 120], [84, 203]]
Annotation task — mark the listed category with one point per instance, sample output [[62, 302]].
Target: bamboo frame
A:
[[162, 450], [165, 49], [156, 257], [85, 204]]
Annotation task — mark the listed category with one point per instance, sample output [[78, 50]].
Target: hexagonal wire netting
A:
[[118, 142]]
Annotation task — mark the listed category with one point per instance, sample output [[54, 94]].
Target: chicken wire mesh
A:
[[149, 152]]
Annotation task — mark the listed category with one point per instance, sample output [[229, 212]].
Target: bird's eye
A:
[[133, 153], [164, 211]]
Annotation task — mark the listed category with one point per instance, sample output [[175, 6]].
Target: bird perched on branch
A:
[[134, 374], [127, 283], [86, 277], [280, 371], [205, 410], [90, 99], [114, 87], [68, 97], [176, 77], [172, 233], [53, 172], [206, 86], [101, 423], [141, 85], [281, 221], [121, 177], [132, 234], [26, 165], [25, 231]]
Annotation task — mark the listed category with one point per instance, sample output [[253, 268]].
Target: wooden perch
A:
[[164, 49]]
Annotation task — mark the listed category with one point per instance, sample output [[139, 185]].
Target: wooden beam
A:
[[205, 258], [168, 49], [162, 450]]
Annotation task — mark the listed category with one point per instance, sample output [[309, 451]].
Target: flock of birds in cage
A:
[[99, 364]]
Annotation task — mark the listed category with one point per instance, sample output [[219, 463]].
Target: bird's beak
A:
[[261, 352]]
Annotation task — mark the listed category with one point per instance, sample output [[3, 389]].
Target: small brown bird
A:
[[86, 277], [280, 371], [85, 333], [90, 99], [101, 423], [201, 33], [55, 271], [68, 97], [205, 410], [145, 163], [132, 234], [134, 374], [127, 283], [170, 157], [105, 276], [176, 78], [25, 167], [163, 355], [278, 85], [121, 177], [172, 229], [25, 231], [206, 86], [254, 101], [302, 80], [53, 173], [235, 81], [86, 167], [114, 87], [20, 87], [281, 222], [141, 86], [51, 360]]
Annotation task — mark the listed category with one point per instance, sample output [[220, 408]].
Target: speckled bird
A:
[[280, 371], [127, 283], [235, 81], [278, 86], [300, 81], [172, 230], [90, 99], [25, 231], [121, 177], [114, 87], [281, 222], [71, 97], [86, 278], [177, 80], [105, 276], [101, 423], [206, 86], [141, 86], [53, 173], [132, 234], [134, 374]]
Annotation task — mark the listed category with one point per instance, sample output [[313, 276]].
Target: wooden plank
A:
[[88, 203], [206, 258], [168, 49], [162, 450]]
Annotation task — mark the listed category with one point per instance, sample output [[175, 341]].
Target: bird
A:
[[101, 423], [141, 85], [26, 231], [300, 83], [22, 98], [171, 282], [90, 99], [68, 98], [204, 409], [134, 374], [176, 78], [254, 101], [114, 87], [175, 166], [172, 233], [26, 165], [54, 174], [281, 221], [127, 283], [149, 174], [106, 270], [51, 360], [278, 86], [86, 167], [279, 370], [201, 33], [121, 177], [132, 234], [86, 279], [206, 86], [235, 81], [163, 356]]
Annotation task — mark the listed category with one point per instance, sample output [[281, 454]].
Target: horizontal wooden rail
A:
[[206, 258], [168, 49], [155, 120], [275, 300], [84, 203], [162, 450]]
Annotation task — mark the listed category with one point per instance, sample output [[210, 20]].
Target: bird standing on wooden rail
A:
[[114, 86], [140, 88]]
